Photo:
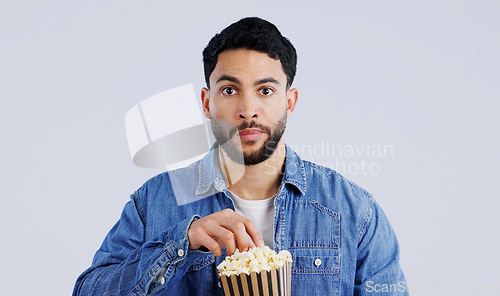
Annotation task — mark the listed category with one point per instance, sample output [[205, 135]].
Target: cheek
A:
[[214, 114], [218, 114], [212, 110], [280, 111], [221, 111]]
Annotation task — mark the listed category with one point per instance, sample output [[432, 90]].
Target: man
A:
[[250, 189]]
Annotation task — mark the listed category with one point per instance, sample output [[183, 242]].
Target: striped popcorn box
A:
[[276, 282], [258, 272]]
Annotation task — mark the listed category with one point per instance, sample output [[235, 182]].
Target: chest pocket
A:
[[314, 244], [314, 226], [315, 275]]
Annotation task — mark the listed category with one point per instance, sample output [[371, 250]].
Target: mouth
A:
[[250, 134]]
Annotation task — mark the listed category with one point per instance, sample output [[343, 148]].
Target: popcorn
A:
[[255, 259], [259, 271]]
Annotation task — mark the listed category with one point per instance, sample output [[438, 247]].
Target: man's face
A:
[[248, 104]]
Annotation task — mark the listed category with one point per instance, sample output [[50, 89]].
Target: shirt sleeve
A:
[[127, 265], [378, 271]]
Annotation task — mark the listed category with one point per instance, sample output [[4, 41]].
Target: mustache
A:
[[249, 124]]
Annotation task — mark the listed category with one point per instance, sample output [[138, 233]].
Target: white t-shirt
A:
[[260, 212]]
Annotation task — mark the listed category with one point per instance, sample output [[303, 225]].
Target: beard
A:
[[223, 133]]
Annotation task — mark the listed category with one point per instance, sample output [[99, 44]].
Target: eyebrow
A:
[[267, 80], [236, 80], [228, 78]]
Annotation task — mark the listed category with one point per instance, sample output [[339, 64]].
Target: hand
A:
[[224, 229]]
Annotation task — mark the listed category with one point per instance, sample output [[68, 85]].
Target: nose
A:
[[248, 107]]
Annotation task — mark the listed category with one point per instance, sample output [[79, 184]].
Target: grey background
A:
[[420, 76]]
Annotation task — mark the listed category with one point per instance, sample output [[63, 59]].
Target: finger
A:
[[242, 228], [228, 219], [210, 243], [236, 224], [224, 236], [241, 236], [254, 233]]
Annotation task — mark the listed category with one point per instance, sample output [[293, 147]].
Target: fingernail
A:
[[260, 243]]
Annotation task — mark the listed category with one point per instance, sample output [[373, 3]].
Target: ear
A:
[[205, 102], [291, 100]]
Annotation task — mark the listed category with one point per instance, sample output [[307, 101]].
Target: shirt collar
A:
[[210, 176]]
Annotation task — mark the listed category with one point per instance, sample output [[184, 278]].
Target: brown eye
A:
[[228, 91], [266, 91]]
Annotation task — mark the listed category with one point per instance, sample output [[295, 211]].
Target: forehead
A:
[[249, 65]]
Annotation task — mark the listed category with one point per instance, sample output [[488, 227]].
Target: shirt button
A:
[[180, 252], [317, 262], [155, 272], [218, 284], [162, 281]]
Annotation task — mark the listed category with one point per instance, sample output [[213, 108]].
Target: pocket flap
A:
[[316, 264]]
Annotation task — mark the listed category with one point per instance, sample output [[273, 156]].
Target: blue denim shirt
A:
[[340, 240]]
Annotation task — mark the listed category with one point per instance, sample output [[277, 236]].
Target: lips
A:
[[250, 134]]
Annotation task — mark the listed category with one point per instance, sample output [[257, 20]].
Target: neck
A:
[[254, 182]]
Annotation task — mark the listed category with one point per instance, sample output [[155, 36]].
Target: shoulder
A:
[[165, 187], [323, 176], [355, 204], [336, 192]]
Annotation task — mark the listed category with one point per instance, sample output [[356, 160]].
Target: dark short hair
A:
[[255, 34]]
